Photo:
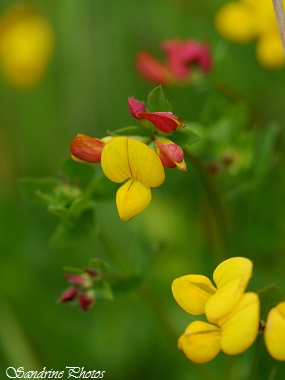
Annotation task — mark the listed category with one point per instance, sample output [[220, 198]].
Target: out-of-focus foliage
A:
[[228, 203]]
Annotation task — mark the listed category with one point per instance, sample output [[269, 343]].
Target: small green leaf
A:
[[269, 297], [77, 172], [131, 131], [185, 137], [38, 189], [157, 101], [264, 153], [102, 189], [75, 231]]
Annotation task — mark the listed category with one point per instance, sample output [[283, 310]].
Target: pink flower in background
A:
[[181, 57]]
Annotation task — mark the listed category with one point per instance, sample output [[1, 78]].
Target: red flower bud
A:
[[68, 295], [86, 149], [171, 154], [85, 301], [136, 107], [164, 121], [79, 280]]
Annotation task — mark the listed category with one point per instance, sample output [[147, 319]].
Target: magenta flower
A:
[[181, 56], [164, 121]]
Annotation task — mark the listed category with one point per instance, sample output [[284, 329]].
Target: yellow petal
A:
[[200, 342], [274, 333], [192, 293], [240, 327], [132, 198], [235, 21], [269, 50], [231, 278], [124, 158], [26, 45]]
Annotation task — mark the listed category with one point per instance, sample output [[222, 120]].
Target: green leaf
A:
[[264, 153], [269, 297], [131, 131], [102, 189], [38, 190], [185, 137], [157, 101], [77, 172], [74, 231]]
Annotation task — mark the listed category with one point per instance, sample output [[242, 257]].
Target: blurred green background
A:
[[85, 90]]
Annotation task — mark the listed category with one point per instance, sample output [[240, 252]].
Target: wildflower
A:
[[152, 69], [244, 20], [86, 149], [69, 294], [164, 121], [197, 295], [180, 56], [274, 333], [26, 45], [171, 154], [233, 334], [86, 300], [125, 159]]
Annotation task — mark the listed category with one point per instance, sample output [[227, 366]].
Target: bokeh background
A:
[[84, 89]]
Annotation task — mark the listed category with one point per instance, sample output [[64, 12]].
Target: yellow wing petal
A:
[[274, 333], [200, 342], [192, 293]]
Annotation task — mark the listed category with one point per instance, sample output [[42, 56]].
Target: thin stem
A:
[[280, 17], [113, 251], [217, 211], [158, 309], [255, 359]]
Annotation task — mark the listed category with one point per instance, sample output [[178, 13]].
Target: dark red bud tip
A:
[[85, 302], [136, 107], [68, 295], [92, 272]]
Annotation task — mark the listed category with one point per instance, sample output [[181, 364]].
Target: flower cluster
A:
[[233, 313], [135, 161], [181, 57], [87, 285], [26, 45], [245, 20]]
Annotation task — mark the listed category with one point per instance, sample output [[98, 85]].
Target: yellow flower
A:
[[233, 334], [26, 45], [125, 159], [242, 21], [197, 295], [274, 333]]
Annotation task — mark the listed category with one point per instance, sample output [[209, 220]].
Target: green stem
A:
[[255, 359], [216, 210], [158, 309], [113, 251]]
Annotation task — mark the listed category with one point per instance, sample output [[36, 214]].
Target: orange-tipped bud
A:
[[171, 154], [86, 149]]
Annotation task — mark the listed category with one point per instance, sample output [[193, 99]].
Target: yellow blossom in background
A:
[[233, 334], [274, 333], [244, 20], [197, 295], [125, 159], [26, 45]]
